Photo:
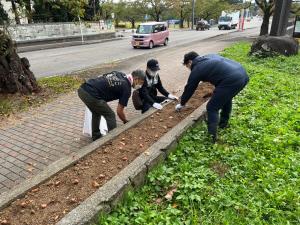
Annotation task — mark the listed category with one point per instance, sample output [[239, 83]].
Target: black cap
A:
[[189, 56], [153, 65]]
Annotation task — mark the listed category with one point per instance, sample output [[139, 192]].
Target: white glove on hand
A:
[[172, 97], [157, 106], [178, 107]]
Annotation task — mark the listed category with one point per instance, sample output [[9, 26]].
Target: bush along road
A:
[[251, 176]]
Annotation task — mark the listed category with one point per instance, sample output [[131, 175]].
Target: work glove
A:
[[172, 97], [157, 106], [178, 107]]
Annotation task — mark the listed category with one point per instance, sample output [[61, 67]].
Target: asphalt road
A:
[[69, 59]]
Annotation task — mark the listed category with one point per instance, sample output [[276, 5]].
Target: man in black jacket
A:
[[95, 93], [151, 86], [228, 77]]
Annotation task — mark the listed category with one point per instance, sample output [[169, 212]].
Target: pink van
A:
[[151, 34]]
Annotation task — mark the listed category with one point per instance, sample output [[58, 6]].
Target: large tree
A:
[[134, 12], [15, 75], [156, 8], [267, 6]]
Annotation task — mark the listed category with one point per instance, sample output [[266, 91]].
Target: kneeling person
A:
[[95, 93], [152, 86]]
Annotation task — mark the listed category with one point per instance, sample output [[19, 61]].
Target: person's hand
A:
[[157, 106], [179, 107], [172, 97]]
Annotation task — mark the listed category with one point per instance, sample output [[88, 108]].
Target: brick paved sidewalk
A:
[[55, 129]]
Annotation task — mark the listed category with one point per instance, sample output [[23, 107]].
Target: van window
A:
[[156, 28], [144, 29]]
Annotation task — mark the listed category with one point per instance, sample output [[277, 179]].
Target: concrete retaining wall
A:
[[42, 31]]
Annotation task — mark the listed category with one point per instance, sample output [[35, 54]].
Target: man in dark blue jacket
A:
[[228, 77]]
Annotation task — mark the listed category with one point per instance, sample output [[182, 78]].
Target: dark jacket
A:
[[215, 69], [150, 88]]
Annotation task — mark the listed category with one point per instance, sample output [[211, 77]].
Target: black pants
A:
[[222, 100], [148, 105], [98, 108]]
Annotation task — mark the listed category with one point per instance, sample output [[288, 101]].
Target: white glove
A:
[[157, 106], [178, 107], [172, 97]]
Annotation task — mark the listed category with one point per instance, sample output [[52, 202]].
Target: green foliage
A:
[[252, 176], [3, 15]]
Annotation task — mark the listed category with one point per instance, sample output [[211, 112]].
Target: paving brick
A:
[[4, 171]]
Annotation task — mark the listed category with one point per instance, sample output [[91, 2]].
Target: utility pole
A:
[[281, 17], [193, 14]]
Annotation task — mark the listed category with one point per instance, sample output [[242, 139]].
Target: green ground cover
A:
[[251, 176], [51, 87]]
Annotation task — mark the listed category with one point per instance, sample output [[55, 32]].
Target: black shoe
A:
[[96, 137], [223, 125]]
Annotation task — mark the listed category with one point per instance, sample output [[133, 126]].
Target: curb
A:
[[32, 48], [132, 176]]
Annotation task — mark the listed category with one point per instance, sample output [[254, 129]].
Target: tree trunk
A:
[[15, 10], [181, 18], [132, 24], [15, 75], [264, 30], [28, 11]]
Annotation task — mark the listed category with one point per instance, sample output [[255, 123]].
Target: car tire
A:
[[134, 47], [166, 42], [151, 44]]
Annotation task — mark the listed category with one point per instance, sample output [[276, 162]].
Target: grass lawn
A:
[[51, 87], [251, 176]]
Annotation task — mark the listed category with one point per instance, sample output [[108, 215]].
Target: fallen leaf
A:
[[23, 204], [4, 222], [158, 201], [57, 183], [35, 190], [76, 181], [56, 218], [147, 153], [171, 117], [125, 158], [43, 206], [73, 200], [170, 194], [101, 176], [96, 184], [174, 205], [141, 145], [156, 136], [32, 212], [123, 143]]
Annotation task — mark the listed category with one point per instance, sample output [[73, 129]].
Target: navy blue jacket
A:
[[215, 69]]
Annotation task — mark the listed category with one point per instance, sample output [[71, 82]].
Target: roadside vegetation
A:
[[51, 87], [251, 176]]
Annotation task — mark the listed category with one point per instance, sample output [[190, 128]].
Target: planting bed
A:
[[50, 201]]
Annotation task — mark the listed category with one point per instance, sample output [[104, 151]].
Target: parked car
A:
[[151, 34], [202, 25]]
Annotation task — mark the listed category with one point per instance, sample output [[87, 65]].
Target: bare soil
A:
[[50, 201]]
